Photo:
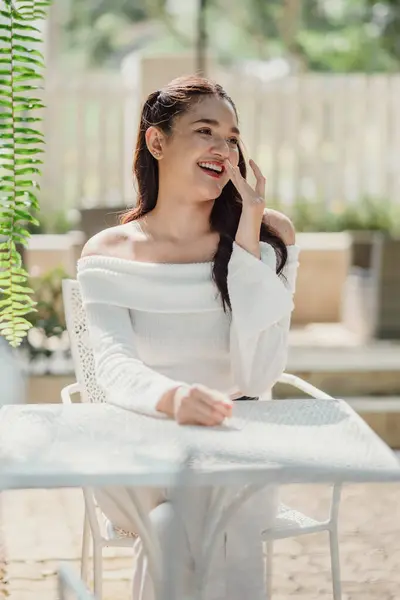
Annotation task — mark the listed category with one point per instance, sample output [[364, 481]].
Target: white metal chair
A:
[[292, 523], [289, 522], [95, 525], [70, 587]]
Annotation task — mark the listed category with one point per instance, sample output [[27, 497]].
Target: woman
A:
[[189, 303]]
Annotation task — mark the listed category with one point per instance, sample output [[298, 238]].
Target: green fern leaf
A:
[[20, 65], [28, 105], [28, 171], [21, 326], [27, 151], [27, 77], [10, 306], [23, 70], [24, 38], [30, 51], [29, 130], [19, 239], [22, 27], [28, 59], [18, 319], [8, 331], [26, 88], [21, 215], [19, 278]]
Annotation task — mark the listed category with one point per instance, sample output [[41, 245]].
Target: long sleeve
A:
[[125, 379], [262, 303]]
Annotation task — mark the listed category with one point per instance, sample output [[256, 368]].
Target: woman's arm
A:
[[129, 383], [125, 379], [262, 303]]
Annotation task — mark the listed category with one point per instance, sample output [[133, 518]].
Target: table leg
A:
[[145, 530], [225, 503]]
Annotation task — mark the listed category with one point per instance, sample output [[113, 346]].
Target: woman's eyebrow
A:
[[215, 123]]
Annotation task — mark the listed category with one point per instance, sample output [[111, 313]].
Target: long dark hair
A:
[[160, 110]]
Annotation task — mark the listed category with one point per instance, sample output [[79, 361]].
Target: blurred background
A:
[[317, 86]]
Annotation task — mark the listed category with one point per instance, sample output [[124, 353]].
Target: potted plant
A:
[[46, 338], [362, 221], [371, 303]]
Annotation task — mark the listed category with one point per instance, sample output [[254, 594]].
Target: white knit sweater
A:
[[154, 326]]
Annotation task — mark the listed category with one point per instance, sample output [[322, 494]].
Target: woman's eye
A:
[[207, 131]]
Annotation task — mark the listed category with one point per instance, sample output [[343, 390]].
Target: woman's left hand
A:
[[253, 199], [253, 208]]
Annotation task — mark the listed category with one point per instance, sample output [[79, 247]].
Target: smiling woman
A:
[[188, 135], [188, 304], [203, 136]]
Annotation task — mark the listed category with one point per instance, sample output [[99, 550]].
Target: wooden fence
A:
[[90, 134], [324, 136], [331, 137]]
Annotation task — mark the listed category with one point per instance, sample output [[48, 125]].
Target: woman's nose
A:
[[221, 147]]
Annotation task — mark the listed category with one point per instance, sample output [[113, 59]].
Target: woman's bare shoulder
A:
[[281, 224], [115, 241]]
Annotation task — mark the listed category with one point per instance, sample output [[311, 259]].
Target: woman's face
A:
[[202, 141]]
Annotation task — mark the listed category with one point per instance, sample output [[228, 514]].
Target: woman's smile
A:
[[215, 169]]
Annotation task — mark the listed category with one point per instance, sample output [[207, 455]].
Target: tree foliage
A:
[[386, 16], [336, 35], [96, 26], [346, 36], [20, 150]]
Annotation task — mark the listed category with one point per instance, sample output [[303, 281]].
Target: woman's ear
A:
[[155, 142]]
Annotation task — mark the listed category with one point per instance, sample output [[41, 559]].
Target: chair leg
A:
[[335, 564], [269, 555], [85, 548], [97, 570]]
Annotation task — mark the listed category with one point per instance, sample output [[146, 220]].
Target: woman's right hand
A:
[[200, 405]]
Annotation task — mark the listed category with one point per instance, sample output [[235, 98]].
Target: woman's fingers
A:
[[206, 415], [197, 412], [255, 196], [202, 406], [215, 400], [260, 179], [236, 176]]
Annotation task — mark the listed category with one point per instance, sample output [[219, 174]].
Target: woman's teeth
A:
[[212, 167]]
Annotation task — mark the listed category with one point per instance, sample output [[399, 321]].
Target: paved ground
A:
[[43, 527]]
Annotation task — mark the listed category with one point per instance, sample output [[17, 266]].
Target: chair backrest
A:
[[81, 349]]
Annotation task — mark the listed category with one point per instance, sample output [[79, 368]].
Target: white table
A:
[[98, 444], [275, 441]]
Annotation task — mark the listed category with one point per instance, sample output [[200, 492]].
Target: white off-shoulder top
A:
[[155, 326]]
